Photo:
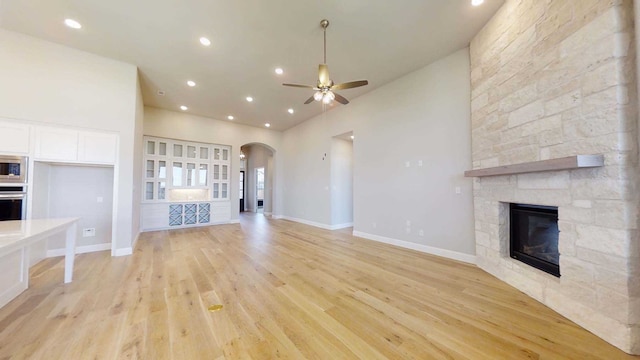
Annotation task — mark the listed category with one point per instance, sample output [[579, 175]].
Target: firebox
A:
[[534, 236]]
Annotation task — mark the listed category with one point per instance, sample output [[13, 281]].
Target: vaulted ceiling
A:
[[377, 40]]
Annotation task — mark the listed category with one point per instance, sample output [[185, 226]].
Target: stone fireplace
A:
[[552, 80]]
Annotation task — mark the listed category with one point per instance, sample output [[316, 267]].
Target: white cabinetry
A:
[[185, 184], [15, 138], [56, 144]]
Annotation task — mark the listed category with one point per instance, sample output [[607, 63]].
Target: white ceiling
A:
[[377, 40]]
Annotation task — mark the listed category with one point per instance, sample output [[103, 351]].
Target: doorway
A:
[[241, 195], [260, 190]]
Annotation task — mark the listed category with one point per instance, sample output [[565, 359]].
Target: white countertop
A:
[[14, 233]]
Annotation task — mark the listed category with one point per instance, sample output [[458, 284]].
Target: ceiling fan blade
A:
[[349, 85], [300, 86], [341, 99], [309, 100], [323, 75]]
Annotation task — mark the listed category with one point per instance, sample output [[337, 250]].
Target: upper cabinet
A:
[[15, 138], [68, 145], [56, 144], [183, 171]]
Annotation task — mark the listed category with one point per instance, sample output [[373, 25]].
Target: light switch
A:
[[100, 199]]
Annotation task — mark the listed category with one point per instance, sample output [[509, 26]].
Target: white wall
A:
[[73, 192], [48, 83], [163, 123], [423, 116], [341, 182]]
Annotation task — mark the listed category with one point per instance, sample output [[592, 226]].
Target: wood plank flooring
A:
[[289, 291]]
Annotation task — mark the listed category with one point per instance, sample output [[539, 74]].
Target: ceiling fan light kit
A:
[[325, 88]]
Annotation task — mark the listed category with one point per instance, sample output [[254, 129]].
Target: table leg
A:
[[69, 253]]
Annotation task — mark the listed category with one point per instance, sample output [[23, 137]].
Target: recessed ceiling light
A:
[[191, 83], [230, 117], [279, 71], [204, 41], [267, 125], [183, 108], [290, 111], [249, 99], [72, 24], [476, 2], [352, 137]]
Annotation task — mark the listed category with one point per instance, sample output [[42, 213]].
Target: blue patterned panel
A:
[[175, 215], [190, 214], [204, 211], [190, 208]]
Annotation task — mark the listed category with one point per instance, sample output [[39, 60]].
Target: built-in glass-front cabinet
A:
[[185, 171]]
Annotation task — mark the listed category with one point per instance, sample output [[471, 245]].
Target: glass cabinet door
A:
[[225, 172], [216, 172], [150, 170], [216, 191], [177, 174], [177, 150], [203, 174], [191, 152], [162, 148], [204, 153], [161, 190], [151, 147], [148, 191], [224, 194], [225, 154], [162, 169], [191, 174]]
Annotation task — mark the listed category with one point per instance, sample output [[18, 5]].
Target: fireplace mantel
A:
[[566, 163]]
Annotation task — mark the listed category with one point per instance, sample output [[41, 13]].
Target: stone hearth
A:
[[552, 79]]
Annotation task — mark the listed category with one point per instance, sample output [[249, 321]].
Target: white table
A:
[[15, 238]]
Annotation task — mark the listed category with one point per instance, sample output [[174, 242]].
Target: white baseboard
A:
[[10, 293], [450, 254], [124, 251], [267, 213], [313, 223], [306, 222], [80, 249], [234, 221], [341, 226]]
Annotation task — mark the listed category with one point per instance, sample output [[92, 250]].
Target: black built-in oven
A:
[[12, 203]]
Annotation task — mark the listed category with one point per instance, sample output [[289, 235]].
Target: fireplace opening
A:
[[534, 236]]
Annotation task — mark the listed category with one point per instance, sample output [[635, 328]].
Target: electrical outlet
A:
[[458, 190], [374, 225], [408, 230], [421, 232], [100, 199], [408, 223], [89, 232]]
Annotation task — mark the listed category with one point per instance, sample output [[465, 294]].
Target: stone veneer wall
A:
[[554, 78]]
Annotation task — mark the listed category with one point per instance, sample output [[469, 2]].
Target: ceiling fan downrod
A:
[[325, 24]]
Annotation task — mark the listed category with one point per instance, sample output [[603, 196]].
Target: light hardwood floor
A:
[[289, 291]]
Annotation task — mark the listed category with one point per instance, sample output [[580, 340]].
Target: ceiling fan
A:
[[325, 87]]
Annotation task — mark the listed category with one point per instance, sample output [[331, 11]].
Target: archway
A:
[[257, 163]]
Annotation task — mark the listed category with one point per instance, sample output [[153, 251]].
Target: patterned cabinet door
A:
[[175, 215], [204, 211], [190, 211]]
